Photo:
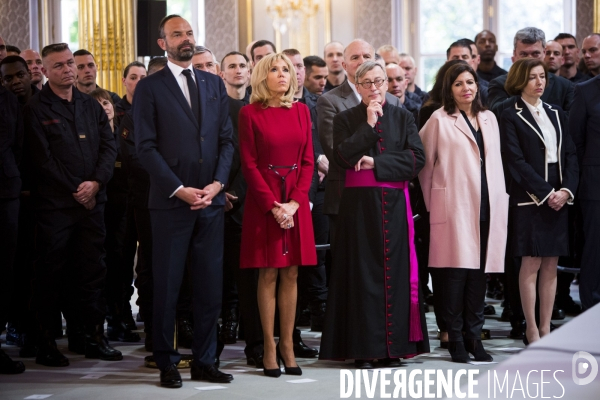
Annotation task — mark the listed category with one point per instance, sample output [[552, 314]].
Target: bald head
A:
[[356, 53], [389, 53], [34, 63], [396, 80]]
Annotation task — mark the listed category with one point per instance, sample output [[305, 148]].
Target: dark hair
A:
[[132, 64], [466, 41], [233, 53], [101, 94], [485, 30], [460, 43], [83, 52], [157, 63], [54, 48], [565, 36], [518, 75], [435, 95], [313, 61], [12, 60], [447, 96], [14, 49], [161, 26], [261, 43]]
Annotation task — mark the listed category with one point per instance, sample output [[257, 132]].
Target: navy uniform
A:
[[70, 142], [11, 136]]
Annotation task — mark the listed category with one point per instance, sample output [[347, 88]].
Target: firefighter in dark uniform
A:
[[132, 74], [73, 155], [11, 137]]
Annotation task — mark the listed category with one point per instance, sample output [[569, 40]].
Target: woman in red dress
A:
[[277, 234]]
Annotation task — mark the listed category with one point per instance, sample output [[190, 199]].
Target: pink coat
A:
[[451, 183]]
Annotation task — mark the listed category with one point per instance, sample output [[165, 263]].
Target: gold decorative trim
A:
[[596, 16]]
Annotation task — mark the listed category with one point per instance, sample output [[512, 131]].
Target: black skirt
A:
[[539, 231]]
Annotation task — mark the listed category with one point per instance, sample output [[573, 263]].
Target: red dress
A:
[[279, 137]]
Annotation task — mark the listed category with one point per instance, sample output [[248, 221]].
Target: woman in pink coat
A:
[[464, 191]]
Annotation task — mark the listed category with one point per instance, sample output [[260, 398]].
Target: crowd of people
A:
[[227, 178]]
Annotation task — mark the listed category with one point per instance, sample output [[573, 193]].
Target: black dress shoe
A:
[[254, 356], [363, 364], [185, 333], [458, 352], [558, 313], [170, 377], [506, 314], [391, 362], [317, 316], [8, 366], [489, 310], [301, 349], [13, 336], [228, 333], [210, 373], [49, 355], [96, 346], [476, 348]]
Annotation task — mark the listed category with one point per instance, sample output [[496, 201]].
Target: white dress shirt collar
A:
[[177, 70]]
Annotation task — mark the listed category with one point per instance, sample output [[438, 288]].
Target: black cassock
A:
[[369, 303]]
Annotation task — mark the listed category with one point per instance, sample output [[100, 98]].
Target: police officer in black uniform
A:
[[73, 154]]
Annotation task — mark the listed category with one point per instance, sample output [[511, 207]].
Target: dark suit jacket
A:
[[67, 149], [558, 92], [524, 154], [329, 104], [584, 125], [172, 145], [11, 139], [237, 183]]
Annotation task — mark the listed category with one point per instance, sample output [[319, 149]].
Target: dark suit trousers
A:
[[463, 296], [70, 248], [143, 268], [247, 283], [180, 235], [9, 218], [589, 279]]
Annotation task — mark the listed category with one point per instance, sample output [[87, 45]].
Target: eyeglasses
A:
[[367, 84], [397, 79]]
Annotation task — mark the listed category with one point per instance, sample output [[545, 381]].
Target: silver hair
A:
[[366, 67], [530, 35], [201, 50]]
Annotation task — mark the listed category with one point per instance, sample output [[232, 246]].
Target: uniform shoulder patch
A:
[[125, 133]]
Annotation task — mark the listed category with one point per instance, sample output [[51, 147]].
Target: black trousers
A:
[[589, 280], [178, 236], [312, 281], [247, 285], [463, 295], [70, 248], [9, 224], [231, 264], [143, 268]]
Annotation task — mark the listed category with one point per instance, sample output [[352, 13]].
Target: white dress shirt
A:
[[181, 78], [548, 130], [182, 82]]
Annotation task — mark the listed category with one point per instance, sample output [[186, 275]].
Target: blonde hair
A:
[[258, 81]]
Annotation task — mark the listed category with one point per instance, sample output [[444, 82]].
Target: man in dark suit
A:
[[183, 139], [584, 126], [531, 42], [339, 99]]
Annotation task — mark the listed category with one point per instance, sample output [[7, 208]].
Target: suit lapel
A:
[[172, 84], [524, 113], [349, 99], [202, 91]]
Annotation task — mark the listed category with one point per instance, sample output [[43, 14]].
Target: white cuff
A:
[[537, 201], [571, 198], [173, 194]]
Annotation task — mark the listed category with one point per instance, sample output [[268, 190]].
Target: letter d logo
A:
[[581, 368]]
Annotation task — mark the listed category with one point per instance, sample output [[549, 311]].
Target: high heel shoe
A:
[[274, 372], [288, 370], [475, 347]]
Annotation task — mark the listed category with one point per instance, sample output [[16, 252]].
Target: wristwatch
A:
[[219, 182]]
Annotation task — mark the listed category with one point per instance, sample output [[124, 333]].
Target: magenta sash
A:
[[366, 178]]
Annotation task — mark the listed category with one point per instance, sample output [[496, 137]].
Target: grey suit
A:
[[329, 104]]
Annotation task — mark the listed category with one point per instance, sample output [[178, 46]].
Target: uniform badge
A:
[[125, 133]]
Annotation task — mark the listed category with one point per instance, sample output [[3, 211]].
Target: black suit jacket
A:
[[172, 145], [524, 154], [558, 92], [237, 183], [584, 125], [11, 139]]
